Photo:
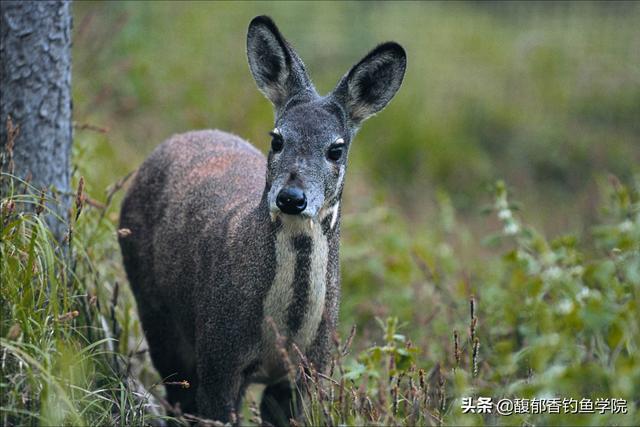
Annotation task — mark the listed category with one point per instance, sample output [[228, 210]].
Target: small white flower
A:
[[565, 306], [584, 292], [504, 214], [553, 273], [625, 226], [511, 228]]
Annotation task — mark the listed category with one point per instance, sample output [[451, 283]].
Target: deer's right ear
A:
[[275, 66]]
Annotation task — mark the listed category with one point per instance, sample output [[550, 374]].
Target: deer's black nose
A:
[[291, 200]]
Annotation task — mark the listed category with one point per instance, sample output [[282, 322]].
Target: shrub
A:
[[557, 321]]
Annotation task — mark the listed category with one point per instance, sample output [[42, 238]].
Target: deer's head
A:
[[312, 134]]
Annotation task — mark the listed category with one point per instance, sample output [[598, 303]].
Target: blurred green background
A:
[[544, 95]]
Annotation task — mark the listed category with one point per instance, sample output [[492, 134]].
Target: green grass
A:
[[553, 318], [544, 98], [549, 319], [64, 331]]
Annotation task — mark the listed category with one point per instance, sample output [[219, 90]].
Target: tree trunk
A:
[[36, 93]]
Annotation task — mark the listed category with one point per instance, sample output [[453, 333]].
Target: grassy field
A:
[[467, 286]]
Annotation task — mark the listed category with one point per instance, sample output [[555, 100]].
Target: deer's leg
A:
[[320, 350], [217, 400], [222, 378], [170, 355], [280, 403]]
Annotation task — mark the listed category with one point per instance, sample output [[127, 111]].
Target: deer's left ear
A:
[[369, 86]]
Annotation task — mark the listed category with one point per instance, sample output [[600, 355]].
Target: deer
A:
[[228, 251]]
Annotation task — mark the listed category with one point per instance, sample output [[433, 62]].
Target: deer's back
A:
[[182, 204]]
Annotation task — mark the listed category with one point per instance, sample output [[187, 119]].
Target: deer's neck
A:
[[296, 298]]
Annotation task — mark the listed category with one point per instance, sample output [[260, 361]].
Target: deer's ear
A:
[[369, 86], [275, 66]]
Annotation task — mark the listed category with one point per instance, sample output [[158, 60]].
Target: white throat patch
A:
[[281, 293]]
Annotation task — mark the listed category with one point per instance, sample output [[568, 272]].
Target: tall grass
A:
[[64, 333], [550, 319]]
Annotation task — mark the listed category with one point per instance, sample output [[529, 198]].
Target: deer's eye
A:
[[276, 142], [334, 153]]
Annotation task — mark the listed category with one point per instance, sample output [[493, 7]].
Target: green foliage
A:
[[553, 319], [398, 356], [59, 331], [568, 311]]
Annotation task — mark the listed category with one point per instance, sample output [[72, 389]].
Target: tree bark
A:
[[36, 93]]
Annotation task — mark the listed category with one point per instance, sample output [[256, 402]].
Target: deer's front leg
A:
[[221, 361], [220, 382], [280, 403]]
